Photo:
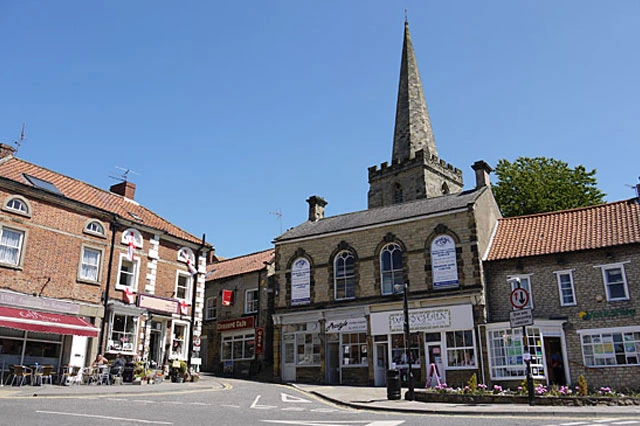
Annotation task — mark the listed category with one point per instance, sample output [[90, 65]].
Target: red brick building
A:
[[84, 270]]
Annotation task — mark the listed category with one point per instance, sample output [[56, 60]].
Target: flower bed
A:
[[462, 398]]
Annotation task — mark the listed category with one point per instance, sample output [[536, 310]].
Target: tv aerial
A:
[[124, 176], [18, 143]]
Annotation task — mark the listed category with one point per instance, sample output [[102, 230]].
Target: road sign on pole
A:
[[521, 318], [519, 297]]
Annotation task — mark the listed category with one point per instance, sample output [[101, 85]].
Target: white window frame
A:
[[246, 340], [122, 341], [394, 271], [343, 280], [188, 288], [465, 348], [211, 308], [179, 341], [251, 306], [23, 209], [95, 227], [573, 301], [608, 267], [19, 248], [525, 283], [507, 358], [605, 350], [134, 275], [138, 241], [81, 276]]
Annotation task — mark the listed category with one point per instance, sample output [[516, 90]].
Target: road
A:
[[239, 403]]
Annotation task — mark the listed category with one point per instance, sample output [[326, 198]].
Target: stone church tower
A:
[[416, 172]]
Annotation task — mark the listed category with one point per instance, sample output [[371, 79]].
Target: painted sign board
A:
[[521, 318]]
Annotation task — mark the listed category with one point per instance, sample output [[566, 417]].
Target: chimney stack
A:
[[6, 150], [126, 189], [482, 170], [316, 207]]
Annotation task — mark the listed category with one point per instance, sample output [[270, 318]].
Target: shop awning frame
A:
[[45, 322]]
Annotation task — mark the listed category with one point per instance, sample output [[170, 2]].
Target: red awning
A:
[[44, 322]]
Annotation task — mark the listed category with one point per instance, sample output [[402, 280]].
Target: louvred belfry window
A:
[[227, 297]]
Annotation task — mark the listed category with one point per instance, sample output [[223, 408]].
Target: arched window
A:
[[445, 188], [94, 227], [17, 205], [398, 197], [391, 271], [344, 277]]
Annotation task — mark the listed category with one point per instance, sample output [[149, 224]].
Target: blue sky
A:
[[231, 111]]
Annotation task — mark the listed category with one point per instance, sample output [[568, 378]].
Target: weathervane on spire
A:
[[406, 16]]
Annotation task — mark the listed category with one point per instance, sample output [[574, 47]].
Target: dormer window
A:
[[94, 227], [18, 205]]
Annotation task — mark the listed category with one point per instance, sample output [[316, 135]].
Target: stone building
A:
[[85, 270], [339, 280], [581, 270], [238, 329]]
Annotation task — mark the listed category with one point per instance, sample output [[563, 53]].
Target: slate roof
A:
[[13, 168], [586, 228], [239, 265], [382, 215]]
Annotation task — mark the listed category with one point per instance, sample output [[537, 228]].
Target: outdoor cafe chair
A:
[[21, 375], [43, 374], [72, 375]]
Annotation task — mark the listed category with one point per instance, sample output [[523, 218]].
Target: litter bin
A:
[[127, 372], [394, 390]]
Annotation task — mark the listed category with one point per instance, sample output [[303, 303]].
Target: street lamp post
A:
[[410, 395]]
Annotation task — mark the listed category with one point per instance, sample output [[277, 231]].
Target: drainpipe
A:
[[113, 227], [193, 305]]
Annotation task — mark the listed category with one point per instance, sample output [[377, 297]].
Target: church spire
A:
[[413, 127]]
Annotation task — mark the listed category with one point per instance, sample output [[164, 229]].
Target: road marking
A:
[[573, 424], [327, 423], [290, 398], [229, 405], [627, 422], [144, 401], [261, 407], [293, 409], [94, 416], [324, 410], [199, 403]]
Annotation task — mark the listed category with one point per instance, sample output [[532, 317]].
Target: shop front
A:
[[347, 351], [34, 336], [240, 344], [441, 349]]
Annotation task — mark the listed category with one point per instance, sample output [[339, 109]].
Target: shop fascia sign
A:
[[29, 301], [235, 324], [346, 325], [607, 314], [422, 320], [157, 304]]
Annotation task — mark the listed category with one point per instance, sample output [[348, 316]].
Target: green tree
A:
[[538, 185]]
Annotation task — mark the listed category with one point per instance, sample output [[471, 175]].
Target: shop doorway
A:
[[434, 366], [155, 348], [381, 354], [333, 362], [289, 358], [556, 374]]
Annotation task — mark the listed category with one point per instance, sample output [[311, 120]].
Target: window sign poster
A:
[[300, 282], [443, 262]]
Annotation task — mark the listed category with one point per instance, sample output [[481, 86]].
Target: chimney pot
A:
[[482, 170], [126, 189], [316, 207], [6, 150]]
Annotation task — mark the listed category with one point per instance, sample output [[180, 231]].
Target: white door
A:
[[289, 358], [78, 351], [435, 367], [381, 364]]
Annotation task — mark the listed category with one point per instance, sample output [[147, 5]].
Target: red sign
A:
[[196, 341], [227, 297], [44, 322], [259, 340], [519, 297], [235, 324]]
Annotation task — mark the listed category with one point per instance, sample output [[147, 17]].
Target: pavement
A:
[[366, 398]]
